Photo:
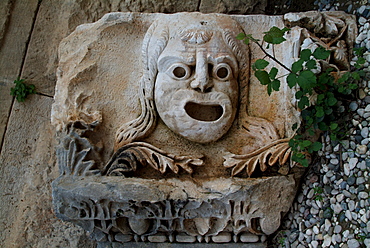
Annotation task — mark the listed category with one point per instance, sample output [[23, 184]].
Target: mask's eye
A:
[[179, 71], [222, 72]]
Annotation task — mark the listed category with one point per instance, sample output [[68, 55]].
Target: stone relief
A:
[[192, 71], [333, 30], [174, 162]]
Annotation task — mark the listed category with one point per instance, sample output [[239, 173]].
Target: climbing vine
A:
[[318, 94]]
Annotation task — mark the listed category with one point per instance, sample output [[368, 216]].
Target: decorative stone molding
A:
[[134, 209], [182, 146]]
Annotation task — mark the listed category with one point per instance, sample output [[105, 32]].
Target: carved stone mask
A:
[[196, 89]]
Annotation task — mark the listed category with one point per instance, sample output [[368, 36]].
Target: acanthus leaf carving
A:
[[335, 31], [75, 153], [277, 152], [130, 156]]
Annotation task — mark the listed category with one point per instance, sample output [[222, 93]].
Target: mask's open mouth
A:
[[204, 112]]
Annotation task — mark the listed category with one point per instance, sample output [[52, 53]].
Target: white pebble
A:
[[348, 215], [337, 208], [361, 149], [351, 205], [314, 243], [337, 229], [353, 243], [352, 163], [367, 109], [334, 161], [327, 225], [327, 241], [368, 45], [316, 230], [363, 195], [345, 233], [310, 194], [340, 197], [346, 169], [367, 242], [363, 219], [314, 211]]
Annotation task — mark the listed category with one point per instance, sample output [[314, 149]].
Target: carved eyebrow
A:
[[226, 58], [165, 62]]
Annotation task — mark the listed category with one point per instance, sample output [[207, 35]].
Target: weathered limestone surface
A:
[[107, 101], [186, 207], [28, 211], [27, 168], [56, 19], [16, 20], [5, 7], [99, 59], [233, 7], [196, 104]]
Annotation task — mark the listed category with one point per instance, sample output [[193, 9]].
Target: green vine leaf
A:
[[273, 72], [263, 77], [321, 53], [275, 84], [304, 102], [241, 36], [306, 143], [299, 94], [322, 126], [306, 80], [269, 89], [331, 99], [333, 126], [275, 35], [292, 80], [261, 64], [317, 146], [320, 111], [356, 76], [311, 64], [297, 66], [305, 54]]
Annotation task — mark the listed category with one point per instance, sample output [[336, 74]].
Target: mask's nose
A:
[[202, 82]]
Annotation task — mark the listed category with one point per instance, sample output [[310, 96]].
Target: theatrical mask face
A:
[[196, 90]]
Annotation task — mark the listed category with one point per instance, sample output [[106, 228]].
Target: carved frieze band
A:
[[101, 207]]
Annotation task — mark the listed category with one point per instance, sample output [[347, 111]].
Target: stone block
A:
[[16, 20], [239, 7], [56, 19], [175, 147], [5, 7], [181, 204], [27, 167], [207, 204]]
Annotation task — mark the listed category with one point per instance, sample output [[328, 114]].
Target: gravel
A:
[[340, 215]]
